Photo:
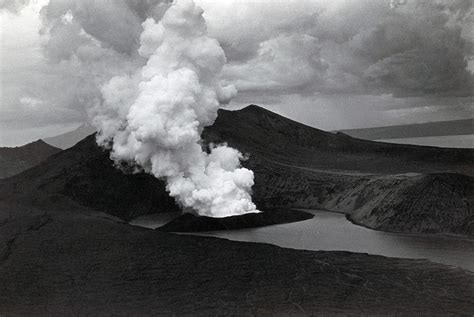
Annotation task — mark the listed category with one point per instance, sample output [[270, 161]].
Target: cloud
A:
[[241, 25], [84, 44], [13, 6], [417, 48], [405, 48], [415, 52], [113, 24], [59, 52], [283, 62]]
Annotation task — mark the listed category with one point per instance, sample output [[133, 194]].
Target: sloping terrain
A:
[[68, 264], [452, 127], [294, 165], [68, 139], [85, 175], [274, 138], [411, 203], [428, 203], [14, 160]]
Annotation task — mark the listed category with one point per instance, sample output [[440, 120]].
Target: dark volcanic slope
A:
[[67, 264], [453, 127], [85, 175], [192, 223], [275, 138], [14, 160]]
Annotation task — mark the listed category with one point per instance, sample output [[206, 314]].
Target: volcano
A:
[[384, 186]]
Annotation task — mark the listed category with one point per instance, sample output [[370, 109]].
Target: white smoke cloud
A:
[[154, 117]]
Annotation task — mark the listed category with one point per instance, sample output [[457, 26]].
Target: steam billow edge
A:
[[155, 117]]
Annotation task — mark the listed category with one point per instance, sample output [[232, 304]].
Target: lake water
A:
[[458, 141], [332, 231]]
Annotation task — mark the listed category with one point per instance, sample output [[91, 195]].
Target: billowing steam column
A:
[[154, 118]]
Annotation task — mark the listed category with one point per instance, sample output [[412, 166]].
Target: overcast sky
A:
[[329, 64]]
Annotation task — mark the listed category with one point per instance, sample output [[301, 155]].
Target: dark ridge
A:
[[261, 132], [192, 223], [14, 160]]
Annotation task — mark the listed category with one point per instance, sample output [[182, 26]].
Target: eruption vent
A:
[[154, 118]]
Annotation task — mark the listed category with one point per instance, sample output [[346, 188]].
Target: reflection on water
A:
[[332, 231]]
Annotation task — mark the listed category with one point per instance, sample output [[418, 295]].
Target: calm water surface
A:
[[460, 141], [332, 231]]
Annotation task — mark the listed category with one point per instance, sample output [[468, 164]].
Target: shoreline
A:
[[428, 234]]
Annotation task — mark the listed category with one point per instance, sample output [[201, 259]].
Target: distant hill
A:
[[68, 139], [14, 160], [384, 186], [280, 140], [454, 141], [442, 128]]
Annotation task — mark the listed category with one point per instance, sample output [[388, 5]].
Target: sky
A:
[[329, 64]]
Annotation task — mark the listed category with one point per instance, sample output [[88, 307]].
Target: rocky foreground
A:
[[73, 263]]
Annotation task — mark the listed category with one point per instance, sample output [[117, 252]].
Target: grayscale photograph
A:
[[236, 158]]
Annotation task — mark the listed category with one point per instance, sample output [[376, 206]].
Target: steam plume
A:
[[154, 117]]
